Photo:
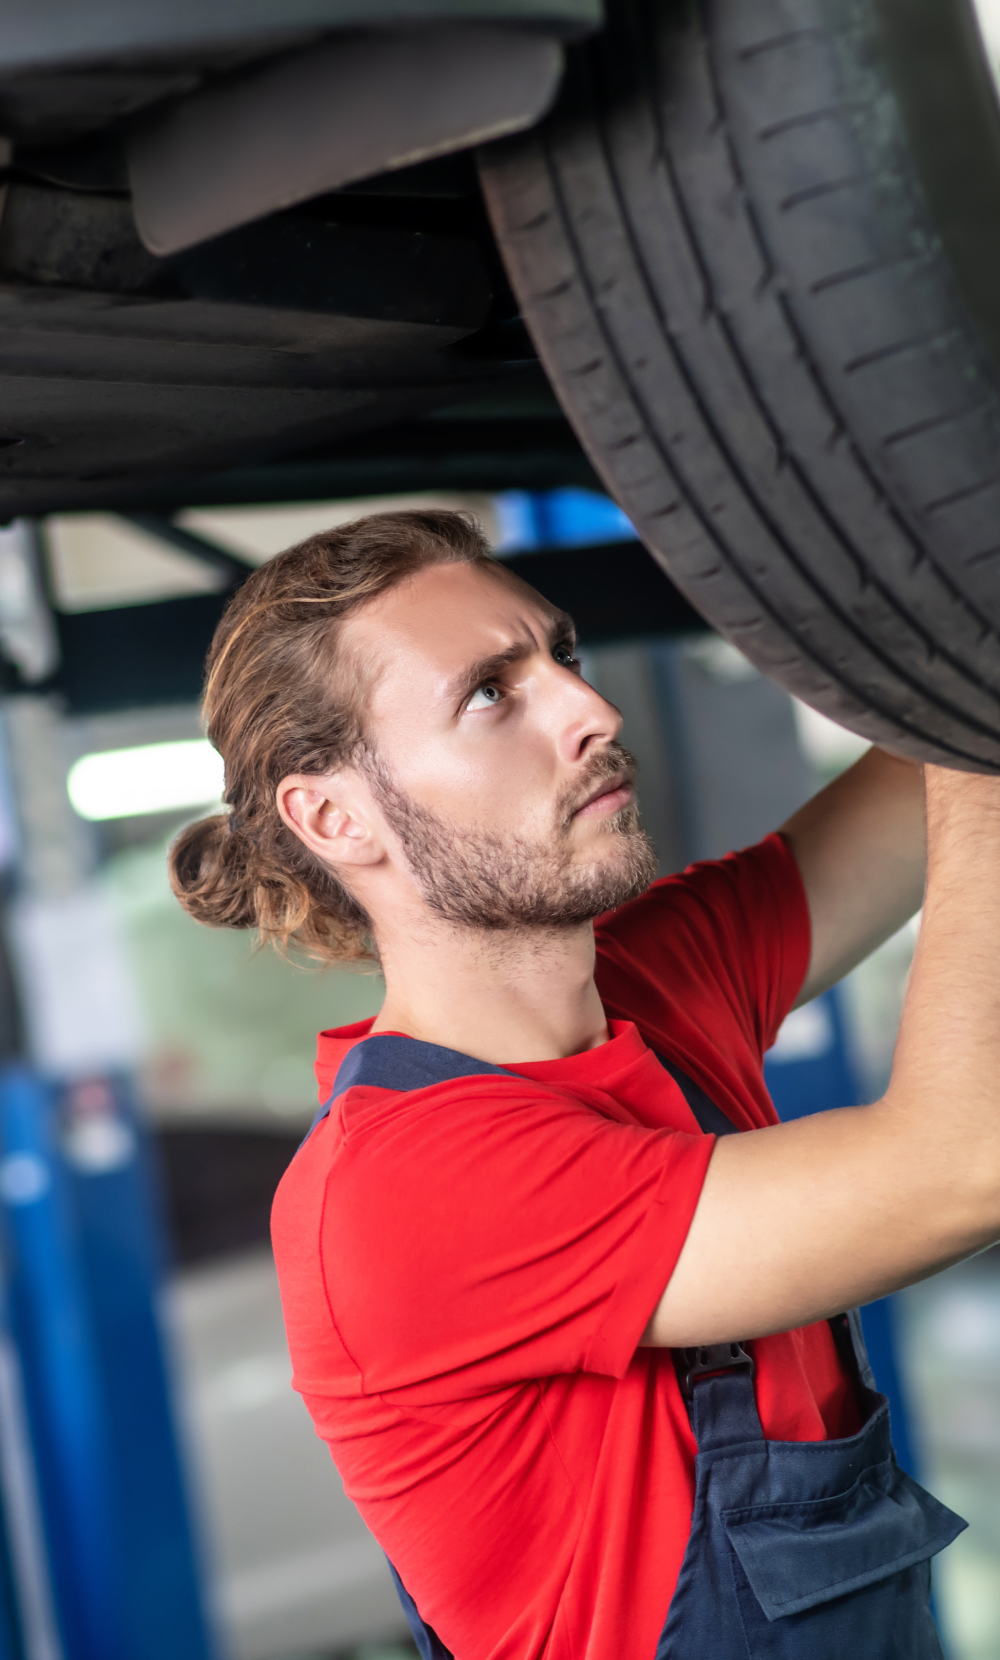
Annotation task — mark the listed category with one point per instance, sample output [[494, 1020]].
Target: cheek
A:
[[478, 778]]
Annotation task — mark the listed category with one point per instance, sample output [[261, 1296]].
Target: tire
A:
[[728, 258]]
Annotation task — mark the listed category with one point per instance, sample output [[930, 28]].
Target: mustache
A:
[[613, 762]]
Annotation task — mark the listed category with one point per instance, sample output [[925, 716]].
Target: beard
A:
[[476, 878]]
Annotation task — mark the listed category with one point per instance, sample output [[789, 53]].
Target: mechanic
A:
[[522, 1285]]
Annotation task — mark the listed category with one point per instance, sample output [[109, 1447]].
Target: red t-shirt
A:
[[466, 1270]]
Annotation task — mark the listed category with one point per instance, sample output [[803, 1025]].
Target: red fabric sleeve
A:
[[481, 1233], [729, 940]]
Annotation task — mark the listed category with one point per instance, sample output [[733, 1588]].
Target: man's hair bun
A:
[[209, 874]]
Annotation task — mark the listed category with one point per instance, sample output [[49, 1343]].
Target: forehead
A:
[[444, 617]]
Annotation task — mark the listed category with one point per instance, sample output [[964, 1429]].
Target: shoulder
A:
[[384, 1157], [377, 1142]]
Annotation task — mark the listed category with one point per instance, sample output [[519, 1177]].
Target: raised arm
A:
[[860, 846], [800, 1221]]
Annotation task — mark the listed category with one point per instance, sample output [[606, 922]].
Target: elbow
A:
[[955, 1204]]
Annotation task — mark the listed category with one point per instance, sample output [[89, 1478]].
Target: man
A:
[[503, 1244]]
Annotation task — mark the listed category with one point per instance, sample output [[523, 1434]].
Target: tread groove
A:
[[965, 494], [777, 43], [868, 360], [932, 423], [816, 192], [837, 278], [794, 123]]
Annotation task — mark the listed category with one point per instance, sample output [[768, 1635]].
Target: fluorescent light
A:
[[148, 778]]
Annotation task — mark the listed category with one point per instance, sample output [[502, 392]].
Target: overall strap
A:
[[390, 1061], [429, 1644], [850, 1340], [723, 1411], [710, 1118]]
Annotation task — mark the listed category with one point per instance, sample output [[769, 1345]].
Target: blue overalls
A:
[[799, 1550]]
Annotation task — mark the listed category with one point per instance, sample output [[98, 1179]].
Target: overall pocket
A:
[[815, 1576]]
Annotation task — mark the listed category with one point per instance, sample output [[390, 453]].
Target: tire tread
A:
[[668, 323]]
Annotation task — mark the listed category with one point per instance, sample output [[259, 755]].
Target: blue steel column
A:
[[82, 1243], [65, 1411], [121, 1259], [27, 1630], [85, 1267]]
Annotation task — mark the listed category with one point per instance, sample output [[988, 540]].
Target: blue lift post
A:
[[52, 1332], [116, 1208], [85, 1269], [103, 1559], [25, 1628]]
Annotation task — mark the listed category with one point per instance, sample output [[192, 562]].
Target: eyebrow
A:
[[561, 629]]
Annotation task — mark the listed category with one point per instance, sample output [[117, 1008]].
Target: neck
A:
[[523, 996]]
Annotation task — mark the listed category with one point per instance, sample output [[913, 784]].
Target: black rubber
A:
[[724, 252]]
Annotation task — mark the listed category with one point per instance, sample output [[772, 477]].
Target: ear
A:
[[332, 817]]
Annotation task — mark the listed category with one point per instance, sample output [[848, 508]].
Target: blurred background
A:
[[158, 1078]]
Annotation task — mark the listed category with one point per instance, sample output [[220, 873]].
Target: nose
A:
[[588, 720]]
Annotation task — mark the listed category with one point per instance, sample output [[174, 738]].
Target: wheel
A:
[[767, 314]]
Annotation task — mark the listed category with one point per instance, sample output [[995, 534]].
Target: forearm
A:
[[860, 849], [946, 1071]]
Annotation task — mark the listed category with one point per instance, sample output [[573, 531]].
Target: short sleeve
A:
[[488, 1232], [727, 941]]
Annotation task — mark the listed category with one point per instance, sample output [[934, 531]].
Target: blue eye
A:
[[485, 697]]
